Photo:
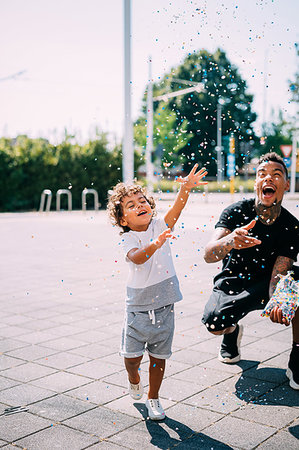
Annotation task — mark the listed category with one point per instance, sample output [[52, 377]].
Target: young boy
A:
[[152, 287]]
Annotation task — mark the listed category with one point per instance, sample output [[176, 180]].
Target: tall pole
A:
[[219, 146], [293, 166], [150, 124], [128, 152]]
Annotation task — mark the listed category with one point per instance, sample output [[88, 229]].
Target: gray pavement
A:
[[62, 302]]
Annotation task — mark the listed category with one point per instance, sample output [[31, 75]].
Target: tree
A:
[[169, 136], [222, 83]]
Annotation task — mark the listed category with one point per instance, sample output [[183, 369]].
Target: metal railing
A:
[[95, 197], [48, 193], [69, 198]]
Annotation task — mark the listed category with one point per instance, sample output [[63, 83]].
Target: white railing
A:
[[69, 198], [95, 198], [48, 193]]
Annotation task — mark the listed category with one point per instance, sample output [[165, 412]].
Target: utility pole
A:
[[293, 165], [219, 144], [128, 150]]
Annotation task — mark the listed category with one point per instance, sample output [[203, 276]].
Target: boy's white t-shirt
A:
[[153, 284]]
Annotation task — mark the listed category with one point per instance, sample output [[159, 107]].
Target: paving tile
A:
[[193, 417], [282, 395], [192, 357], [127, 405], [16, 426], [239, 433], [94, 369], [63, 343], [268, 373], [93, 350], [241, 366], [59, 407], [58, 436], [24, 394], [61, 381], [11, 344], [282, 439], [6, 383], [98, 392], [273, 415], [222, 398], [8, 362], [202, 377], [27, 372], [101, 422], [31, 352], [62, 360], [163, 435], [12, 331], [178, 390], [105, 444]]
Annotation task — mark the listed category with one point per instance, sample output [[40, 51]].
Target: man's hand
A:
[[161, 239], [193, 179], [240, 239], [277, 317]]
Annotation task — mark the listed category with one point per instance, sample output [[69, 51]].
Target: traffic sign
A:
[[288, 162], [230, 165], [286, 150]]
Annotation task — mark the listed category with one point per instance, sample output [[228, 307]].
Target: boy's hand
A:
[[193, 179], [161, 239]]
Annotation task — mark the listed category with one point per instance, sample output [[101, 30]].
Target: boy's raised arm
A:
[[187, 183]]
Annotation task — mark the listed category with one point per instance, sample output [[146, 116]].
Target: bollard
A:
[[95, 198], [48, 193], [69, 198], [206, 192]]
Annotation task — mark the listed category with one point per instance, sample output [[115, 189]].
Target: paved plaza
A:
[[62, 291]]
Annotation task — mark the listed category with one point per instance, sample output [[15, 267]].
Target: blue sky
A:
[[72, 51]]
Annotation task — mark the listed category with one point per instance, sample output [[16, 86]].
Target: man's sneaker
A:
[[155, 410], [136, 390], [293, 367], [229, 352]]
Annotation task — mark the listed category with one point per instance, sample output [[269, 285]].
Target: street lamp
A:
[[197, 87]]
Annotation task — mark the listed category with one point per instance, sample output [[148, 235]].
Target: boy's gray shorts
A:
[[148, 330]]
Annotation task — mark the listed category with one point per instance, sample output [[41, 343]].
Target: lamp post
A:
[[197, 87], [149, 133], [128, 151]]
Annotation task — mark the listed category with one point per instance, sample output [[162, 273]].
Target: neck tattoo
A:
[[268, 215]]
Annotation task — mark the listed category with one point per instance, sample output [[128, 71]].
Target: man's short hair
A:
[[272, 156]]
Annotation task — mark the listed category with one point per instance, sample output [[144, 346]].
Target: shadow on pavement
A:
[[187, 438], [265, 386]]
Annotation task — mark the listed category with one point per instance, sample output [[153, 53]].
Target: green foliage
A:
[[28, 166], [167, 135], [277, 134], [222, 84]]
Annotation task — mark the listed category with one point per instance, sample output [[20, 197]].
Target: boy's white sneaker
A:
[[155, 410], [136, 390]]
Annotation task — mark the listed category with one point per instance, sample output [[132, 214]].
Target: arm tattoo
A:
[[281, 266]]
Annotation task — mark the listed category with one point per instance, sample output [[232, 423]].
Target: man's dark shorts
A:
[[230, 301]]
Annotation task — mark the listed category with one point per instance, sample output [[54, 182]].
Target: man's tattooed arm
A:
[[281, 266], [219, 246]]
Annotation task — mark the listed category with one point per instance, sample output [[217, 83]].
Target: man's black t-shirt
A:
[[245, 267]]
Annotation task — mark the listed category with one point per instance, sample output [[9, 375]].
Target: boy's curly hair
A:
[[114, 206]]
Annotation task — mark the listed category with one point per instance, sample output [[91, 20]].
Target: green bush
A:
[[28, 166]]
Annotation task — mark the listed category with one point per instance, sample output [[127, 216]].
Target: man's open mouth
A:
[[268, 191], [141, 213]]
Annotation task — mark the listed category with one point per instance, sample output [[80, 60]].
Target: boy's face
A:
[[271, 183], [136, 212]]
